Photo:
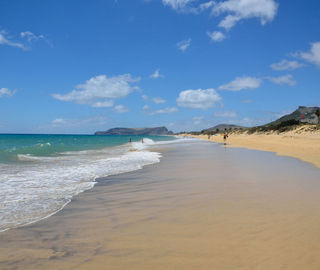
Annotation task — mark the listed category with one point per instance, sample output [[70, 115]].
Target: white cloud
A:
[[206, 5], [241, 83], [165, 111], [216, 36], [120, 109], [146, 107], [179, 5], [144, 97], [226, 114], [5, 92], [186, 6], [103, 104], [100, 91], [197, 120], [156, 74], [159, 100], [286, 65], [58, 121], [4, 40], [184, 44], [237, 10], [313, 56], [198, 99], [31, 36], [286, 79]]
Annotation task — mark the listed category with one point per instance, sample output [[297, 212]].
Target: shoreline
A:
[[201, 207], [305, 147]]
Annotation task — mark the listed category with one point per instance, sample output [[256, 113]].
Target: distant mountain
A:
[[136, 131], [302, 114], [223, 127]]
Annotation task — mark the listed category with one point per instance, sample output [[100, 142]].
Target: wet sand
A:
[[304, 146], [201, 207]]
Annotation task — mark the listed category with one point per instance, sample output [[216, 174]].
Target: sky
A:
[[79, 66]]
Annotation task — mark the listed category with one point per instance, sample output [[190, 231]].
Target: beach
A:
[[202, 207], [304, 145]]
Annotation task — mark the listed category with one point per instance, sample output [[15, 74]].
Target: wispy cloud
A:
[[180, 5], [225, 114], [156, 74], [198, 99], [188, 6], [286, 65], [100, 91], [5, 92], [25, 39], [158, 100], [146, 107], [167, 110], [5, 40], [145, 97], [184, 44], [241, 83], [313, 56], [248, 121], [197, 120], [216, 36], [120, 109], [58, 121], [31, 36], [286, 79]]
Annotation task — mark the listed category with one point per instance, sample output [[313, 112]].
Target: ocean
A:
[[39, 174]]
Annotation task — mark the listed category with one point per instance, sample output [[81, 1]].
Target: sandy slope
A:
[[300, 143]]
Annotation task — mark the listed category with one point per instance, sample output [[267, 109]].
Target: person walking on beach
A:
[[225, 136], [142, 140], [130, 140]]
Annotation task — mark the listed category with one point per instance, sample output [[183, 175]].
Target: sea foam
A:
[[41, 186]]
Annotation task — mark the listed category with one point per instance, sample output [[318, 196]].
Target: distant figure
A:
[[142, 140], [225, 136], [130, 140], [209, 137]]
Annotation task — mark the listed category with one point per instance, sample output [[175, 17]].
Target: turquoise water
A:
[[39, 174], [12, 145]]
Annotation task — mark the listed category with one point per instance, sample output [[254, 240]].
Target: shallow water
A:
[[202, 207], [39, 174]]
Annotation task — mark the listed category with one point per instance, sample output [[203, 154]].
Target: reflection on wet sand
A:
[[201, 207]]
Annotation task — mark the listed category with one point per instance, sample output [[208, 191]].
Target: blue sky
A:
[[81, 66]]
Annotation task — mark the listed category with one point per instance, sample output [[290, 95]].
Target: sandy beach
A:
[[304, 146], [202, 207]]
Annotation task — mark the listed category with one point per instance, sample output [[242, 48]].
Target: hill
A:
[[136, 131], [222, 127], [302, 114]]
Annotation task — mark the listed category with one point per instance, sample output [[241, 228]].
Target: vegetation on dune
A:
[[303, 119]]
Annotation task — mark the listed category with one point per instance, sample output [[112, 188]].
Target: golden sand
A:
[[304, 146], [202, 207]]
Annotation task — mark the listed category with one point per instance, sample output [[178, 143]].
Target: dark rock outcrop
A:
[[302, 114]]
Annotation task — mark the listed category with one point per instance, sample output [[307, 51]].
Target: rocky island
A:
[[136, 131]]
